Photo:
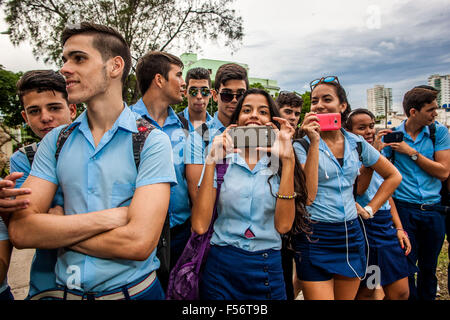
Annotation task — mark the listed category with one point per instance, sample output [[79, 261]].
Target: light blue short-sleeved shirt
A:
[[195, 146], [417, 186], [179, 206], [98, 178], [3, 236], [246, 207], [334, 201], [191, 126], [42, 271], [374, 185]]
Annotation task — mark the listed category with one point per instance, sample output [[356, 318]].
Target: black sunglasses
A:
[[328, 79], [193, 91], [228, 96]]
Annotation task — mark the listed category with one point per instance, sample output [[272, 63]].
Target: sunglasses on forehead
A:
[[289, 92], [329, 79], [226, 96], [204, 91]]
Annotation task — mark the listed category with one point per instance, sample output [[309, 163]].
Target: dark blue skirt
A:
[[231, 273], [325, 254], [385, 251]]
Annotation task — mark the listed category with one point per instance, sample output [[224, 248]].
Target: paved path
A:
[[19, 272]]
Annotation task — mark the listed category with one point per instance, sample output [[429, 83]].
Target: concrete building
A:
[[190, 61], [442, 83], [377, 98]]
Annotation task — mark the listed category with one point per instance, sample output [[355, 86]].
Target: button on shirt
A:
[[42, 271], [195, 146], [246, 203], [417, 186], [374, 185], [3, 236], [179, 207], [98, 178], [186, 115], [334, 201]]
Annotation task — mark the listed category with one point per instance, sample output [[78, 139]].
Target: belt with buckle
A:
[[424, 206], [110, 295]]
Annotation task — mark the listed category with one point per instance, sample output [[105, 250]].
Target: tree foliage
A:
[[9, 101], [145, 24]]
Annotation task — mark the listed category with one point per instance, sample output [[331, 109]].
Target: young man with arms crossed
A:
[[160, 81], [230, 84], [109, 231], [423, 163], [198, 92]]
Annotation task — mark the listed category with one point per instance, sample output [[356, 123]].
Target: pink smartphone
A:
[[329, 121]]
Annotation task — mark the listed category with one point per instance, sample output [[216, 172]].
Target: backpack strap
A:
[[62, 138], [184, 121], [304, 143], [29, 151], [203, 131], [432, 128], [359, 149], [144, 128]]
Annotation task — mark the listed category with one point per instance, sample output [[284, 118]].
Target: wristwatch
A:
[[414, 156], [369, 211]]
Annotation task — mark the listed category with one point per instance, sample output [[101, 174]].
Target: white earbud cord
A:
[[346, 231]]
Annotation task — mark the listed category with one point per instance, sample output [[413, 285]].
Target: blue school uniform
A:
[[5, 292], [385, 251], [42, 270], [186, 115], [425, 227], [245, 243], [196, 148], [100, 177], [334, 214]]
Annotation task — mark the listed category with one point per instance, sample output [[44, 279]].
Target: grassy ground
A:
[[441, 272]]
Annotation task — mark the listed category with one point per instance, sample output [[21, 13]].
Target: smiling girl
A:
[[262, 194]]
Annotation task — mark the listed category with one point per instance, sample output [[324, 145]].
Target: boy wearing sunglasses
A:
[[230, 84], [198, 92]]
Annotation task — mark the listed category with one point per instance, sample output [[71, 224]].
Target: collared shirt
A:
[[42, 270], [374, 185], [3, 236], [417, 186], [334, 201], [179, 207], [95, 178], [191, 126], [195, 146], [246, 206]]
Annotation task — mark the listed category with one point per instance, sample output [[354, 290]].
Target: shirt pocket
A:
[[121, 194]]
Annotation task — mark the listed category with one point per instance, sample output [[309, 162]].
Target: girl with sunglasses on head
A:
[[389, 246], [263, 192], [331, 262]]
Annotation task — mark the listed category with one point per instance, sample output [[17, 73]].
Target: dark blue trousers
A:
[[426, 230], [6, 295]]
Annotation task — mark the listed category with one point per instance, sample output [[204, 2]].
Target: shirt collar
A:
[[172, 117], [126, 120]]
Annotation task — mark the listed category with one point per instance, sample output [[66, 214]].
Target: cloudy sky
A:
[[397, 43]]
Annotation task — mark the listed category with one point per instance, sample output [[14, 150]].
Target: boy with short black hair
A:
[[423, 159]]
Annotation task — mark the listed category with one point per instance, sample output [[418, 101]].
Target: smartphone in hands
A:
[[329, 121], [252, 136], [394, 136]]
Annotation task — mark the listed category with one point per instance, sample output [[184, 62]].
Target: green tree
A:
[[306, 104], [9, 101], [145, 24]]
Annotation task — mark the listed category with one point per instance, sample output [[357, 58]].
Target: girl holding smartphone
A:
[[389, 243], [331, 262], [262, 194]]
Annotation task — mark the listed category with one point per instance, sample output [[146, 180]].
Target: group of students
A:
[[94, 197]]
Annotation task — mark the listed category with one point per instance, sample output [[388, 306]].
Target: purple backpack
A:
[[185, 276]]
